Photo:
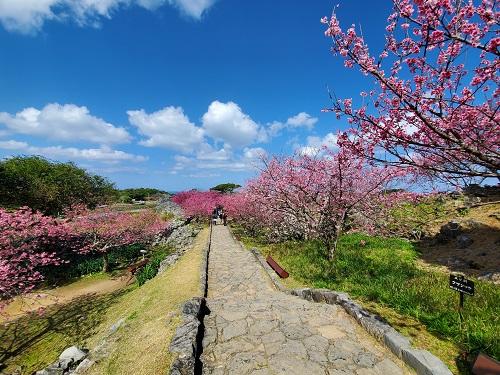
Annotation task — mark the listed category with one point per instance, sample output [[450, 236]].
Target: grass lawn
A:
[[385, 277], [140, 346]]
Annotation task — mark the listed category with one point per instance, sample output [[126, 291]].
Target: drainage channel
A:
[[204, 310]]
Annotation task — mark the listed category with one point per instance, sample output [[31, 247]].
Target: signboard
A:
[[461, 284]]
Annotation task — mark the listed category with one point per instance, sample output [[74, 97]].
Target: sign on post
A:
[[461, 284], [464, 286]]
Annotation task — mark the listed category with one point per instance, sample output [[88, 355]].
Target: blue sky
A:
[[173, 94]]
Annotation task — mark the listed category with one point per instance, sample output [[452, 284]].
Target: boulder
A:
[[464, 241], [450, 230], [73, 353]]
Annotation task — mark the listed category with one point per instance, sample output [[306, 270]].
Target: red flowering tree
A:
[[305, 197], [199, 204], [243, 208], [28, 241], [435, 106], [104, 230]]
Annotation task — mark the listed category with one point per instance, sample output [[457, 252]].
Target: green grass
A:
[[385, 272], [150, 270], [33, 341]]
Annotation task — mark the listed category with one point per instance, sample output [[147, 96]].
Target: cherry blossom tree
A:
[[307, 197], [243, 208], [199, 204], [104, 230], [28, 240], [435, 106]]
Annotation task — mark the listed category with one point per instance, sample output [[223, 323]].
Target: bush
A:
[[159, 253], [86, 264]]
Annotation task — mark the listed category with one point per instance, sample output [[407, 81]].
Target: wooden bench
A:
[[276, 267], [485, 365]]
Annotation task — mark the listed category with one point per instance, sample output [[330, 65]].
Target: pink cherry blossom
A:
[[440, 81]]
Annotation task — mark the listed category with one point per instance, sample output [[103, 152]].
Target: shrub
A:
[[159, 253]]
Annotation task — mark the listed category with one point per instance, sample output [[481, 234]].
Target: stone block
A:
[[374, 326], [330, 297], [318, 295], [396, 342], [424, 363]]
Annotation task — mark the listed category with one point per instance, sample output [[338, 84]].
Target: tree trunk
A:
[[105, 263], [332, 250]]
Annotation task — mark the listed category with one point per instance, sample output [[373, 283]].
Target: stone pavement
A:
[[254, 329]]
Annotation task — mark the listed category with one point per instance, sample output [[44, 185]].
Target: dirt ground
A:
[[96, 284], [482, 257]]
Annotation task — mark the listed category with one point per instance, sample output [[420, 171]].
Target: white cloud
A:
[[203, 175], [169, 128], [28, 16], [222, 159], [228, 123], [103, 154], [207, 152], [193, 8], [301, 119], [65, 123], [315, 144], [254, 154]]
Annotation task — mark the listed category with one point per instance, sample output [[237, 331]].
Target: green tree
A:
[[49, 186], [225, 188]]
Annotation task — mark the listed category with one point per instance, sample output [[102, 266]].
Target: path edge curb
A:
[[422, 361], [188, 337]]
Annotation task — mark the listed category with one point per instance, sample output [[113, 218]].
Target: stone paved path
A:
[[255, 329]]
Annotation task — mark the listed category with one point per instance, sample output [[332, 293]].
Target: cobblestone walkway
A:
[[255, 329]]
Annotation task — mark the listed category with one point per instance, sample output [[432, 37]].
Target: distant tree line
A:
[[140, 194]]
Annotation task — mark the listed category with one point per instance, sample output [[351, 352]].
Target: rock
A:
[[83, 366], [424, 362], [117, 325], [318, 295], [193, 306], [464, 241], [449, 231], [73, 353], [71, 357], [167, 262], [493, 277], [365, 359], [51, 371], [304, 293]]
